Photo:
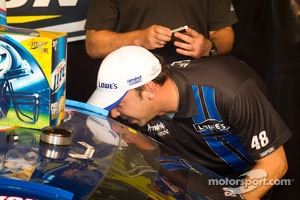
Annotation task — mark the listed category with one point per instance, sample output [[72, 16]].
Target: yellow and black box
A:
[[33, 66]]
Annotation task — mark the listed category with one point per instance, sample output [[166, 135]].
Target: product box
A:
[[2, 12], [33, 67]]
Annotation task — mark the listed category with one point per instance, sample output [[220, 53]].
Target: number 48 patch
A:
[[260, 140]]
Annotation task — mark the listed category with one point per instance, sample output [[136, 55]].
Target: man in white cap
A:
[[212, 110]]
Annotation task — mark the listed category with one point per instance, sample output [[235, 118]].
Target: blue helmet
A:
[[12, 67]]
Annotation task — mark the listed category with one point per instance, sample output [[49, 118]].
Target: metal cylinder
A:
[[55, 135]]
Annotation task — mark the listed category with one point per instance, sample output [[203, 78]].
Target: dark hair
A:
[[164, 74], [161, 78]]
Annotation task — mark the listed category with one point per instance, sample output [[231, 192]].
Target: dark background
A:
[[268, 39]]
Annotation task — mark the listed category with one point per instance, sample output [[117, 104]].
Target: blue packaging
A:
[[32, 77], [2, 12]]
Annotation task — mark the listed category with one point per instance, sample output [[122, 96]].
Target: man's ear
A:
[[150, 89]]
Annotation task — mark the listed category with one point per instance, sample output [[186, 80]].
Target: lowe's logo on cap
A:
[[122, 70], [135, 80], [108, 85]]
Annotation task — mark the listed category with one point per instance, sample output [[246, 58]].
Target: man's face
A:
[[134, 108]]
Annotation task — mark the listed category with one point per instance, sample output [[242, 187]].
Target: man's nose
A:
[[114, 113]]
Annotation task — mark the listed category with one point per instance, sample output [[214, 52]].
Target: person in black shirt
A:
[[112, 24], [214, 111]]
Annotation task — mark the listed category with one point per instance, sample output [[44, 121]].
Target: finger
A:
[[191, 32], [184, 37], [184, 52], [163, 29], [163, 32], [183, 45], [158, 44], [161, 42], [163, 38]]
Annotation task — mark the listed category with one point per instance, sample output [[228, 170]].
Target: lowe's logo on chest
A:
[[211, 125]]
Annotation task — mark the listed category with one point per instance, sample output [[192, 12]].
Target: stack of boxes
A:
[[32, 76]]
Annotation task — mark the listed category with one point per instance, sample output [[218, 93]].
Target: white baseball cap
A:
[[124, 69]]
